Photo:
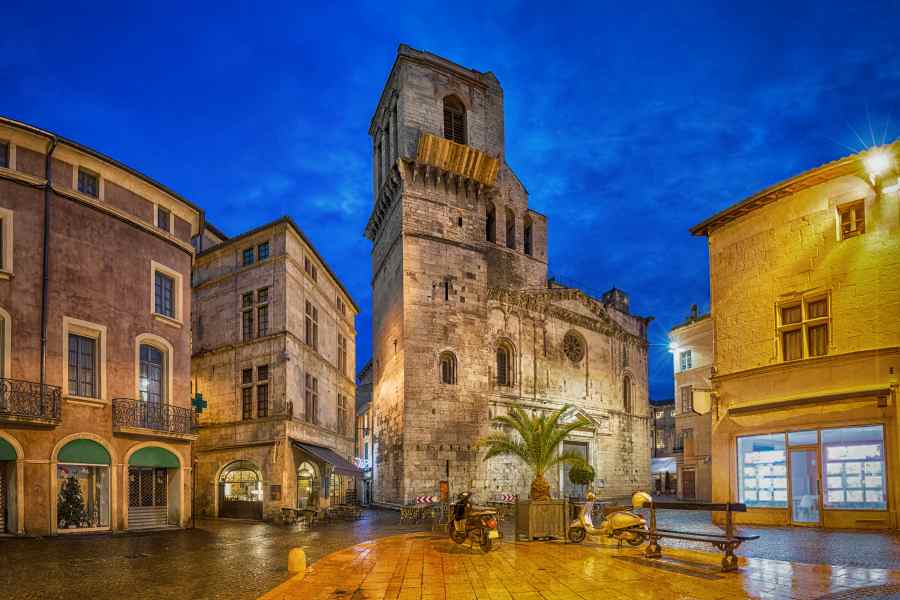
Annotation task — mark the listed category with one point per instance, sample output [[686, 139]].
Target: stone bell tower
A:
[[449, 221]]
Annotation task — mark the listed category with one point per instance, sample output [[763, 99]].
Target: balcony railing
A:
[[29, 401], [156, 416]]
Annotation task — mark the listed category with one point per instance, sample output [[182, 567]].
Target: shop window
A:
[[762, 471], [242, 483], [307, 486], [854, 468], [82, 496]]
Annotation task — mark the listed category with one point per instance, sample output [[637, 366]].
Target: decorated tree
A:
[[71, 503], [535, 439]]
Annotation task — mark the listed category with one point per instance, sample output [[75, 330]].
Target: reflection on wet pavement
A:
[[425, 567]]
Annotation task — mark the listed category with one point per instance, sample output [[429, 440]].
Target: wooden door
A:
[[688, 489]]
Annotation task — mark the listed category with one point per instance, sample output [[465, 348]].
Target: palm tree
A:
[[536, 443]]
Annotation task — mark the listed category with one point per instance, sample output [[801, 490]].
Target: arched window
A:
[[454, 120], [510, 228], [448, 368], [240, 482], [490, 222], [153, 382], [528, 235], [307, 486], [626, 394], [504, 364]]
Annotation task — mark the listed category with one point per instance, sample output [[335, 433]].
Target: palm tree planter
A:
[[535, 439]]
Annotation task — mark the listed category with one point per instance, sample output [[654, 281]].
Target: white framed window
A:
[[6, 243], [851, 219], [152, 367], [686, 360], [84, 365], [88, 183], [804, 326], [166, 302]]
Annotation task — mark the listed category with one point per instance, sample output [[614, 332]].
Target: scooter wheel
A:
[[635, 539], [577, 535], [457, 536]]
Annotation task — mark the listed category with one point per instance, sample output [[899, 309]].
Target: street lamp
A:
[[878, 162]]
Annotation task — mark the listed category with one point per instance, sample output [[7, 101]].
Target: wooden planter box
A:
[[542, 519]]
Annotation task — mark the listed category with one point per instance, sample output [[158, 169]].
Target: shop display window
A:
[[762, 468], [82, 500], [853, 460]]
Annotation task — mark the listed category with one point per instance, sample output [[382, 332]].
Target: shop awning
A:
[[341, 465], [7, 452], [667, 464], [154, 457], [84, 452]]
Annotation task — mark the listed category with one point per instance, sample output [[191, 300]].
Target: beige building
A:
[[465, 321], [274, 354], [95, 297], [365, 437], [691, 344], [806, 314]]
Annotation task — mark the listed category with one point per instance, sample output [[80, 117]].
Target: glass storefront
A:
[[82, 496], [847, 464], [307, 486]]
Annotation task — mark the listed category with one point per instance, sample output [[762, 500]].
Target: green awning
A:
[[154, 457], [7, 452], [86, 452]]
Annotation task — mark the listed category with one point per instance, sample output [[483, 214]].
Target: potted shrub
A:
[[535, 440]]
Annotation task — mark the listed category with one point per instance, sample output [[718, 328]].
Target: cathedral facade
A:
[[465, 320]]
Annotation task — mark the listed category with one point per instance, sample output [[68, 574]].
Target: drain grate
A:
[[879, 592]]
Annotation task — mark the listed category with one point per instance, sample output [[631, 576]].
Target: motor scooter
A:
[[470, 522], [621, 524]]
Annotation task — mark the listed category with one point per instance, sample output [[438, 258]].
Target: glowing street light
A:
[[673, 347], [878, 162]]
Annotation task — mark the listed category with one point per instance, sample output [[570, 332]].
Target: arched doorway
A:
[[154, 484], [8, 457], [241, 491], [308, 485], [83, 486]]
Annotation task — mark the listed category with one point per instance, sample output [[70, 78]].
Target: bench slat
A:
[[701, 537], [732, 506]]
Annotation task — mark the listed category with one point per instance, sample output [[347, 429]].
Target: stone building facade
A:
[[691, 343], [365, 437], [274, 355], [666, 451], [95, 417], [805, 300], [465, 322]]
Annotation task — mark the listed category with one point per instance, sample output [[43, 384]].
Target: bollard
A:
[[297, 562]]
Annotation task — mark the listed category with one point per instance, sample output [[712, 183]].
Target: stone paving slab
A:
[[428, 567]]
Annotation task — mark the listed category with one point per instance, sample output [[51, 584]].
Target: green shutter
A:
[[83, 451], [154, 457], [7, 452]]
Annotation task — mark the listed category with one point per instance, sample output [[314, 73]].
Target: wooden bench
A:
[[727, 542]]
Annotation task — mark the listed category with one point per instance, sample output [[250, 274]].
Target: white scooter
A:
[[622, 524]]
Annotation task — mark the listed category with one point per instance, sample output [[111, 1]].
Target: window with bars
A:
[[803, 329], [83, 366], [163, 219], [853, 219], [88, 183], [312, 326], [342, 354], [311, 400], [247, 256], [165, 295], [454, 120]]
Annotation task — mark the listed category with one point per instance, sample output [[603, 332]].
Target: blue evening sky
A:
[[628, 123]]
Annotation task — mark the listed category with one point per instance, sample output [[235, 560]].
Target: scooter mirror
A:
[[640, 499]]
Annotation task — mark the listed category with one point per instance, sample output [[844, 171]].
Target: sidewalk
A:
[[420, 566]]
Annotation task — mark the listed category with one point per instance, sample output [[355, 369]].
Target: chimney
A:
[[694, 311]]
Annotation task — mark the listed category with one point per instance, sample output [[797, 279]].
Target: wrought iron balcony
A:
[[152, 418], [30, 402]]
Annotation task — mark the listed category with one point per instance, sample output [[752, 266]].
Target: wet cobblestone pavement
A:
[[223, 559], [219, 559]]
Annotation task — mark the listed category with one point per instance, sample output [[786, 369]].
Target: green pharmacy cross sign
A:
[[198, 403]]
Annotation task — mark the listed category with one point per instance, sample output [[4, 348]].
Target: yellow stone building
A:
[[805, 296]]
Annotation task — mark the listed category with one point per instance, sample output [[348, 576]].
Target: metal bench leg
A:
[[653, 550], [729, 561]]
